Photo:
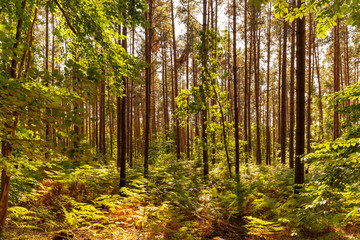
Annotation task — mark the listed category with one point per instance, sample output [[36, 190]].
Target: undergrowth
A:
[[175, 202]]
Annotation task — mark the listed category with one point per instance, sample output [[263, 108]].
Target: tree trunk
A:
[[123, 120], [204, 112], [47, 130], [268, 135], [300, 100], [187, 79], [257, 92], [236, 107], [320, 92], [148, 42], [102, 116], [336, 77], [308, 117], [164, 78], [283, 97], [292, 107], [279, 95], [177, 129], [246, 89]]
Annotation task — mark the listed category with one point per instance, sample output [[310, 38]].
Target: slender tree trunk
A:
[[197, 131], [283, 97], [300, 100], [166, 115], [257, 88], [111, 127], [249, 147], [48, 130], [123, 120], [257, 92], [236, 107], [308, 117], [177, 129], [53, 63], [292, 83], [279, 93], [336, 77], [96, 124], [102, 115], [204, 112], [187, 78], [148, 42], [246, 89], [268, 135], [320, 92], [153, 106]]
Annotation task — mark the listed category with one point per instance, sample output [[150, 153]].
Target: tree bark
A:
[[204, 112], [148, 42], [283, 97], [292, 83], [236, 107], [308, 115], [268, 135], [300, 100], [177, 129], [246, 89], [123, 119], [320, 91], [257, 87], [336, 77]]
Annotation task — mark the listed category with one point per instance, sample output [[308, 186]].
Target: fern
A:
[[22, 217], [259, 227]]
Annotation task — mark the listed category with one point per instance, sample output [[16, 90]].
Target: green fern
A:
[[259, 227]]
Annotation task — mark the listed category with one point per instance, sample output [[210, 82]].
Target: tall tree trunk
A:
[[148, 42], [102, 115], [153, 105], [308, 115], [283, 97], [249, 147], [187, 78], [336, 77], [177, 129], [320, 91], [292, 107], [279, 94], [236, 107], [164, 77], [257, 90], [53, 63], [300, 100], [246, 88], [268, 135], [47, 130], [123, 120], [195, 84], [96, 123], [204, 112], [111, 127]]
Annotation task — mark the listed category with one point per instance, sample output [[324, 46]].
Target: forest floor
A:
[[84, 202]]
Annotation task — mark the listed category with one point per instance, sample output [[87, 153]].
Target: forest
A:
[[179, 119]]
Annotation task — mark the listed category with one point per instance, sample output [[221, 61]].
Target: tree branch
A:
[[66, 17]]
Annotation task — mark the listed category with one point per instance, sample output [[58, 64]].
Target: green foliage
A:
[[326, 12], [23, 218], [259, 227], [83, 214]]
